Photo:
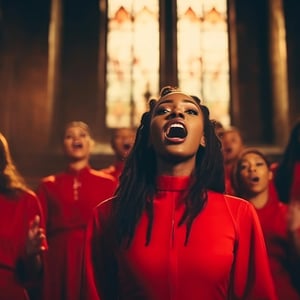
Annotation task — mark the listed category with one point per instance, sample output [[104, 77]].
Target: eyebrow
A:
[[184, 100]]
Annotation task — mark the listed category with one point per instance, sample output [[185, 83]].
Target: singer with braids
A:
[[170, 232]]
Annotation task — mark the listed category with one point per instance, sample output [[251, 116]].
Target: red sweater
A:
[[225, 257], [68, 200]]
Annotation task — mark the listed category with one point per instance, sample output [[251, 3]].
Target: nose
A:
[[176, 113], [252, 168]]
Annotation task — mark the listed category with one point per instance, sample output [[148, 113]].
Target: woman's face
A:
[[254, 173], [232, 145], [123, 141], [177, 127], [77, 143]]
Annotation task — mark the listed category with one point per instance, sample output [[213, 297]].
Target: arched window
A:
[[132, 59], [203, 58], [133, 56]]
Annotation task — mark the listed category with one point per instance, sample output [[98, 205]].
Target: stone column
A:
[[278, 72], [55, 35]]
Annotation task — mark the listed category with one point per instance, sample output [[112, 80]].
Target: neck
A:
[[79, 164], [259, 200], [184, 168]]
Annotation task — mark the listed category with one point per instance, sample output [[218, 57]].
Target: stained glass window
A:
[[203, 58], [133, 59], [132, 72]]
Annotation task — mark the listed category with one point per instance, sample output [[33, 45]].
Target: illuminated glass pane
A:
[[133, 59], [203, 58]]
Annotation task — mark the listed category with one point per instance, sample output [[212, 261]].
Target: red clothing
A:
[[273, 220], [114, 170], [15, 216], [68, 200], [228, 180], [225, 257]]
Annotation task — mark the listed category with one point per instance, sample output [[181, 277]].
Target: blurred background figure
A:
[[68, 199], [232, 145], [251, 177], [287, 171], [22, 241], [219, 128], [121, 142]]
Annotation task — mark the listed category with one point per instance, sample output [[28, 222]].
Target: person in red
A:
[[232, 145], [287, 171], [68, 199], [22, 239], [251, 177], [121, 143], [170, 232]]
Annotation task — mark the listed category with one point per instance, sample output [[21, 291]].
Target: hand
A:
[[36, 238]]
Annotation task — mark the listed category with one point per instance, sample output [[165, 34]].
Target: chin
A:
[[178, 157]]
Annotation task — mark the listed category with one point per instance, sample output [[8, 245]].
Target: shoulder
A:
[[239, 205], [102, 175], [104, 207], [54, 178], [108, 170], [229, 199], [29, 201], [29, 195], [49, 179], [235, 206], [48, 183], [237, 201], [102, 213]]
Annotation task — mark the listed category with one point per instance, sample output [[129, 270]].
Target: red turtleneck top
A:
[[225, 257]]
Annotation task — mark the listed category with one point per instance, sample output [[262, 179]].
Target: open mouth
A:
[[77, 146], [176, 132], [127, 147], [228, 150], [255, 179]]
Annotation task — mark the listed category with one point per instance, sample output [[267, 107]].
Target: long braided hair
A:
[[137, 188]]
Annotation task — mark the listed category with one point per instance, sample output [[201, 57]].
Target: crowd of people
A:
[[186, 211]]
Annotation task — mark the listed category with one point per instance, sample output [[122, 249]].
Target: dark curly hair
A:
[[137, 186]]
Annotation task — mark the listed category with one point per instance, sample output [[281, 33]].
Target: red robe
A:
[[15, 216], [225, 257], [273, 220], [228, 180], [68, 200], [114, 170]]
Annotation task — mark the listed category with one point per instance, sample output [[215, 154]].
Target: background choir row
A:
[[42, 232]]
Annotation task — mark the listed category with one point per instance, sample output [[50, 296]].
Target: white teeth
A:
[[177, 125]]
